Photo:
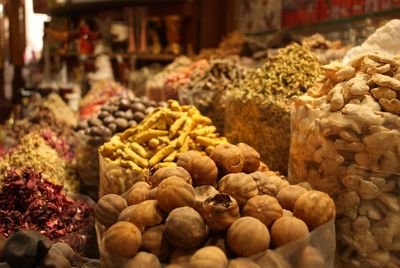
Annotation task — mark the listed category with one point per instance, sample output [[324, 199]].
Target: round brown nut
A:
[[289, 195], [228, 157], [138, 107], [238, 185], [143, 215], [251, 158], [273, 259], [122, 124], [173, 192], [154, 241], [108, 208], [243, 263], [166, 172], [138, 116], [311, 257], [202, 169], [185, 229], [248, 236], [123, 239], [137, 195], [287, 229], [208, 257], [143, 260], [263, 207], [314, 208]]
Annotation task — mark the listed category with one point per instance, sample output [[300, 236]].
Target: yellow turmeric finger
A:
[[137, 148], [128, 133], [147, 135], [176, 126], [150, 121], [203, 131], [205, 141], [153, 143], [131, 155], [160, 155], [171, 157]]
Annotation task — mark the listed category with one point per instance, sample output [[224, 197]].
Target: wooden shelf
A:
[[140, 56], [74, 6]]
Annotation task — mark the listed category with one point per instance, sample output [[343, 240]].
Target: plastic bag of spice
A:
[[115, 179], [347, 145]]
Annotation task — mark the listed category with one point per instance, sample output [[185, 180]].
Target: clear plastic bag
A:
[[354, 157], [115, 179]]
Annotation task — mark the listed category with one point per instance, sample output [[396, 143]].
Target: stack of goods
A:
[[117, 115], [211, 210], [258, 110], [326, 51], [345, 141], [154, 143], [99, 94], [207, 90], [61, 111], [34, 152], [138, 78], [155, 85]]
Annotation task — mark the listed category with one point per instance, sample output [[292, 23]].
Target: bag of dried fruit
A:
[[346, 142], [258, 110]]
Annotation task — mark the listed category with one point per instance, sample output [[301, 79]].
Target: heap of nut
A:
[[209, 209], [345, 141]]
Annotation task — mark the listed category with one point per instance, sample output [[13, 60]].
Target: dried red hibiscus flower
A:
[[27, 201]]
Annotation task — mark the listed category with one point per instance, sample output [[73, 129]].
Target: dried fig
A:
[[173, 192], [228, 157], [154, 241], [143, 215], [314, 208], [208, 257], [239, 185], [185, 229], [202, 169], [287, 229], [166, 172], [108, 208], [263, 207], [220, 211], [251, 158], [288, 196], [143, 260], [123, 239], [248, 236]]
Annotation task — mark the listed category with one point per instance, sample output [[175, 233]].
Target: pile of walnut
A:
[[209, 209], [346, 142]]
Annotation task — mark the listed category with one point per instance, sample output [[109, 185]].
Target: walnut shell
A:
[[239, 185], [248, 236], [289, 195], [243, 263], [185, 229], [123, 239], [311, 257], [287, 229], [263, 207], [251, 158], [143, 260], [208, 257], [143, 215], [173, 192], [314, 208], [167, 172], [220, 211], [228, 157], [202, 169], [154, 242], [108, 208]]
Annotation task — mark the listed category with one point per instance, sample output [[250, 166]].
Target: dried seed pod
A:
[[166, 172], [263, 207], [108, 208], [239, 185], [314, 208], [123, 239], [288, 196], [208, 257], [220, 211], [228, 157], [143, 215], [173, 192], [143, 260], [287, 229], [154, 241], [185, 229], [248, 236], [202, 169], [251, 158]]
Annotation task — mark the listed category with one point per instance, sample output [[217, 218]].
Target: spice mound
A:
[[27, 201]]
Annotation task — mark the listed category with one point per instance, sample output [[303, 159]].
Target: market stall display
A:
[[206, 210], [345, 141], [117, 115], [155, 142], [258, 110]]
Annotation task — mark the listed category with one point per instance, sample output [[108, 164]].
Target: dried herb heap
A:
[[27, 201], [290, 73], [34, 152]]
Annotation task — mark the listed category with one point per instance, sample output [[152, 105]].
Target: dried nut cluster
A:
[[206, 209], [119, 114], [345, 142], [161, 138]]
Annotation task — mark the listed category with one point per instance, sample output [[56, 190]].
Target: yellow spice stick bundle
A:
[[161, 137]]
